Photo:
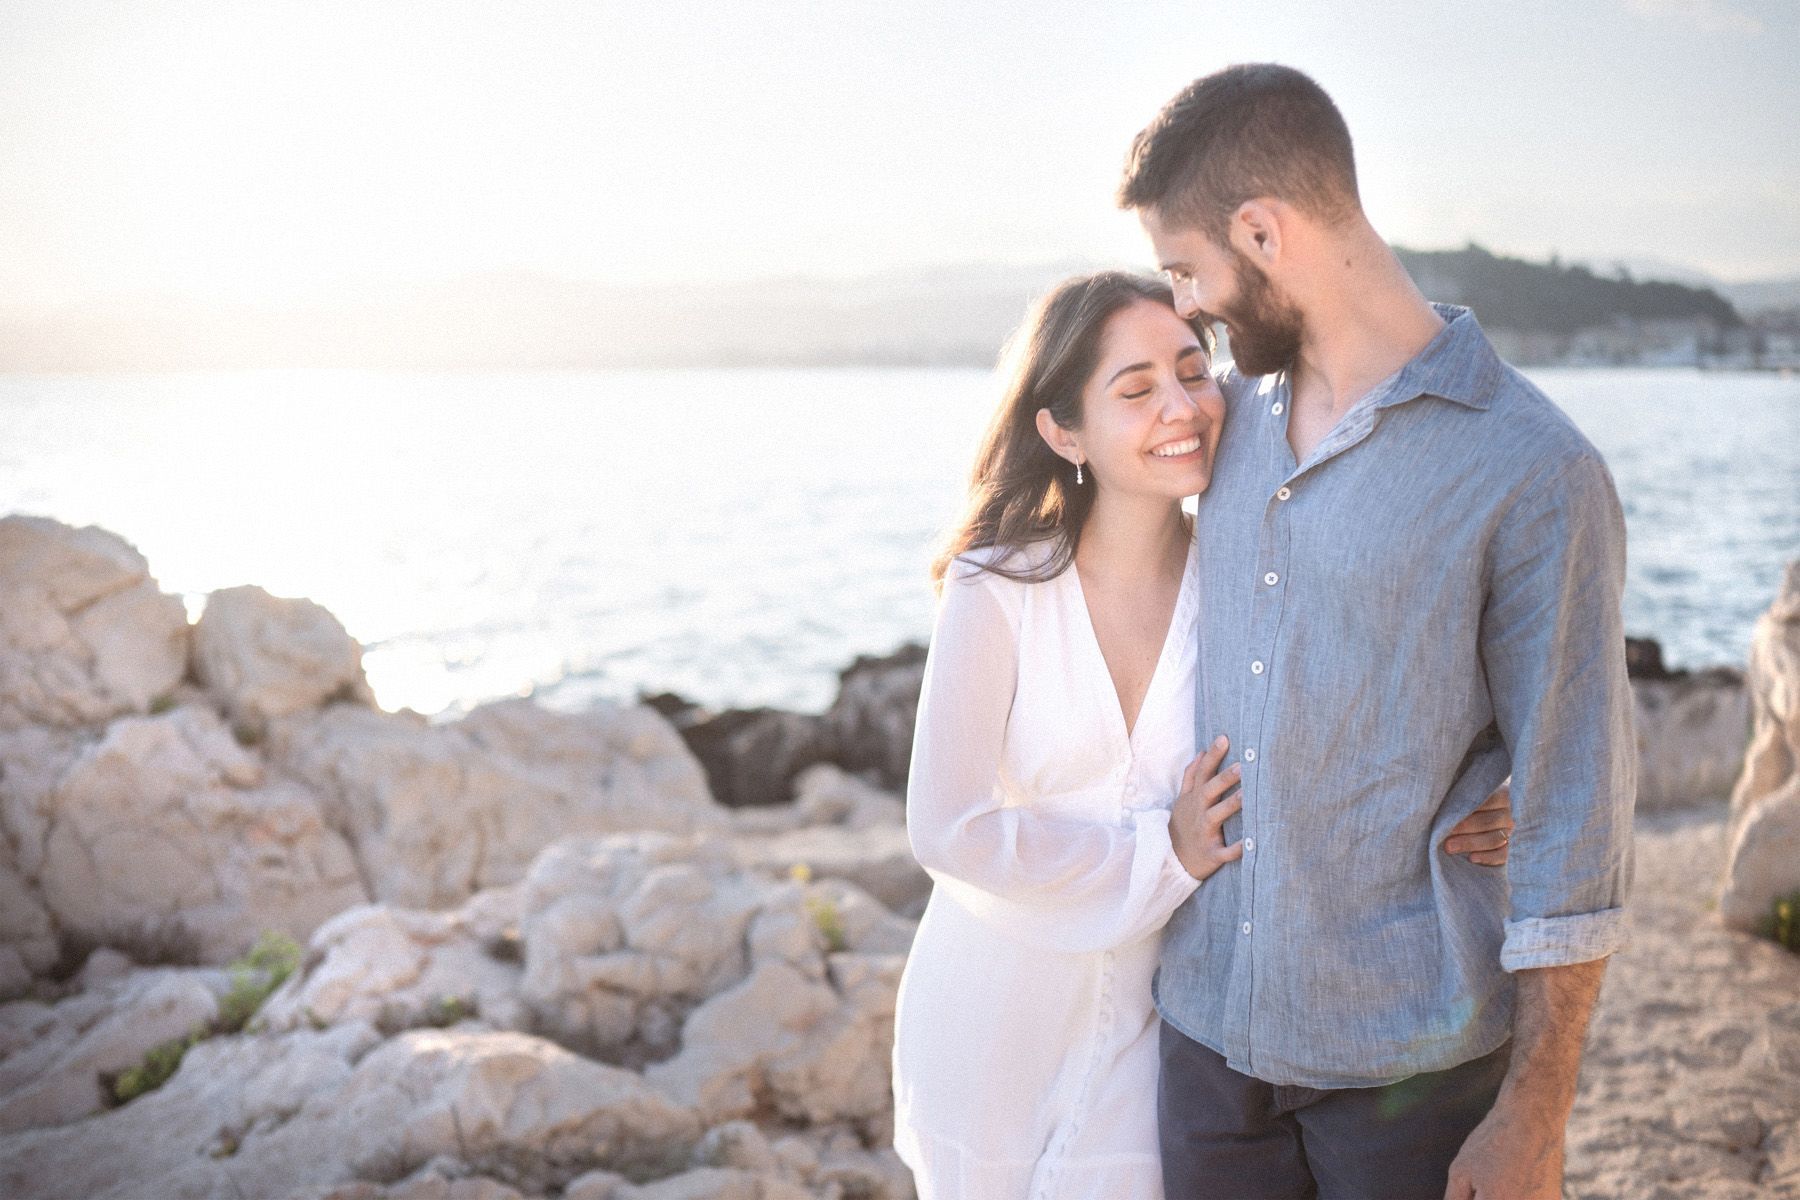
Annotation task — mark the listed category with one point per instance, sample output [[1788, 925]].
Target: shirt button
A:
[[1277, 409], [1250, 754], [1271, 579], [1256, 668], [1246, 928], [1284, 493], [1249, 845]]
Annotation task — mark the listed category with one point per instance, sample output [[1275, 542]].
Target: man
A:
[[1412, 564]]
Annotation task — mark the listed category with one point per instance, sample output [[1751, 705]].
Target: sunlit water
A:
[[734, 535]]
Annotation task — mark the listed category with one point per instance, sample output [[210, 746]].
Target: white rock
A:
[[597, 1185], [167, 821], [878, 859], [435, 815], [827, 794], [729, 1041], [714, 1183], [275, 1115], [189, 1137], [842, 1071], [472, 1095], [629, 754], [424, 1184], [619, 929], [1691, 735], [28, 944], [1764, 860], [57, 1076], [397, 968], [85, 634], [266, 656]]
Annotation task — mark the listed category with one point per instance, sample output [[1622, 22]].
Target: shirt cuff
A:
[[1153, 824], [1562, 941]]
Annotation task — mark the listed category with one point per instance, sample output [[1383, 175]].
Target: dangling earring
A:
[[1077, 473]]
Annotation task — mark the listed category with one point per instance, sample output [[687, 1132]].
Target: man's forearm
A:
[[1550, 1020]]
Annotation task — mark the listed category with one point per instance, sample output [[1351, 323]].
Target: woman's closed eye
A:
[[1187, 381]]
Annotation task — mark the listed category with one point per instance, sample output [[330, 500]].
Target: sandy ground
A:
[[1691, 1082]]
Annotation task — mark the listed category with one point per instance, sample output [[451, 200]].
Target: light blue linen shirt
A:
[[1430, 602]]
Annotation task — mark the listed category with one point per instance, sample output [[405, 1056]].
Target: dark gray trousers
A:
[[1228, 1136]]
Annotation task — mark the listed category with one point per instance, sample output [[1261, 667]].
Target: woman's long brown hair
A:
[[1022, 492]]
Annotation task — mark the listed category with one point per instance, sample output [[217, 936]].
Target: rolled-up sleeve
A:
[[1553, 647]]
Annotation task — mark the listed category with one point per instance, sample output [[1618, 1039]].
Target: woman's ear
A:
[[1057, 438]]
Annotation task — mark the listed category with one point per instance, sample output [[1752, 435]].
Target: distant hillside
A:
[[1510, 293], [946, 316]]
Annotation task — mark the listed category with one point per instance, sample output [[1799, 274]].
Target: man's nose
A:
[[1185, 304]]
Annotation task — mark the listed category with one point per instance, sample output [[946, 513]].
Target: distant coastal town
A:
[[1552, 314]]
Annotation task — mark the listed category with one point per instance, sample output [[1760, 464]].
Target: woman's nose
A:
[[1180, 404]]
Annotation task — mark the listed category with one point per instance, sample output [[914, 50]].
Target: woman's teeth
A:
[[1173, 448]]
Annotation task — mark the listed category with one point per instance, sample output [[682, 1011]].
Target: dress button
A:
[[1246, 929], [1250, 754], [1256, 668], [1277, 409], [1284, 493], [1249, 845], [1271, 579]]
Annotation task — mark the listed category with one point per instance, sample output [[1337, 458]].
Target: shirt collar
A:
[[1458, 364]]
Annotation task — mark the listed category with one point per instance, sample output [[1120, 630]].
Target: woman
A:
[[1055, 795]]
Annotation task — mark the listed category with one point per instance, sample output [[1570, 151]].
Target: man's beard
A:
[[1265, 328]]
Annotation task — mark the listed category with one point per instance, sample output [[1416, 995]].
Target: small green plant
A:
[[160, 1062], [246, 735], [446, 1011], [162, 704], [1784, 920], [254, 977], [828, 921]]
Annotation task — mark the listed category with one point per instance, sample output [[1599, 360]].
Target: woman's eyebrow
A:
[[1143, 366]]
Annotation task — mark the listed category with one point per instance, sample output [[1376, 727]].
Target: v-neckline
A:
[[1126, 732]]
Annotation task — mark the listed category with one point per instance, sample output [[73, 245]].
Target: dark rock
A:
[[670, 705], [870, 724], [1644, 660], [750, 755]]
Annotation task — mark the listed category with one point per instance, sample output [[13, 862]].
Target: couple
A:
[[1143, 972]]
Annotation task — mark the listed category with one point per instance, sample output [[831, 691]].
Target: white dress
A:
[[1025, 1056]]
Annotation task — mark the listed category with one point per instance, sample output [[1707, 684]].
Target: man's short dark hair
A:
[[1259, 129]]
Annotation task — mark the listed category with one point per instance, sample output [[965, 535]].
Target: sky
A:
[[300, 149]]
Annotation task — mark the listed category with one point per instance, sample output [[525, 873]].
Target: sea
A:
[[734, 535]]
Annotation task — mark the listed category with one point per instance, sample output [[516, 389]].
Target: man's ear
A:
[[1255, 230], [1059, 439]]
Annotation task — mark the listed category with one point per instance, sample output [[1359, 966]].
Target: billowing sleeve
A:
[[1553, 645], [1061, 883]]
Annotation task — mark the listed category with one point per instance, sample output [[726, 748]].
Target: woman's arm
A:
[[1064, 883]]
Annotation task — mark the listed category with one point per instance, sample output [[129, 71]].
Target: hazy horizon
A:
[[286, 152]]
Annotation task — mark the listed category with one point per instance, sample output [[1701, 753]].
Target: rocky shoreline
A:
[[643, 952]]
